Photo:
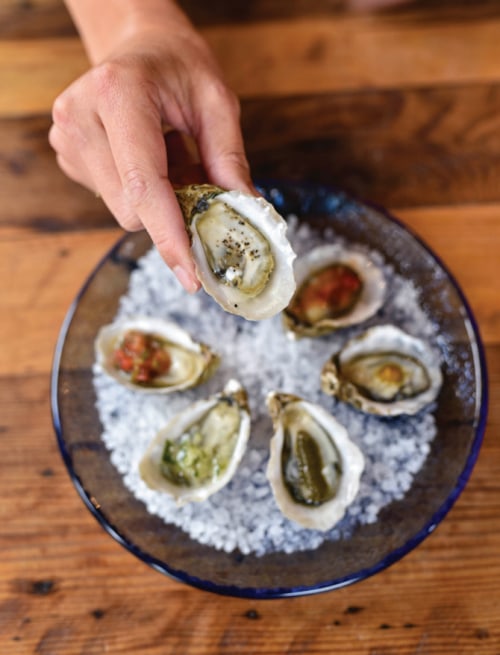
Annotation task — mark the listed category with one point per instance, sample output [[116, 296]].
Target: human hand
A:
[[108, 133]]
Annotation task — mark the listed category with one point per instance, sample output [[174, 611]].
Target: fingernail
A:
[[188, 281]]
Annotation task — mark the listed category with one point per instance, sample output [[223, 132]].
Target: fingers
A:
[[141, 165], [220, 140]]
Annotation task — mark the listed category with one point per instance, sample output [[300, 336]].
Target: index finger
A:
[[137, 144]]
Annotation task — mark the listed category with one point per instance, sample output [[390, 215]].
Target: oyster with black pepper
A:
[[336, 287], [243, 258], [152, 354], [199, 450], [314, 468], [384, 371]]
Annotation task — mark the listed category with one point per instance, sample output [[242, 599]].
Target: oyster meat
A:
[[314, 468], [151, 354], [384, 371], [199, 450], [336, 287], [243, 258]]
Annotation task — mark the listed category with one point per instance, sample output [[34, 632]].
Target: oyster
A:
[[336, 287], [384, 371], [199, 450], [152, 354], [243, 258], [314, 468]]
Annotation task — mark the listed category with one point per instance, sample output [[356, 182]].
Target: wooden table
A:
[[401, 108]]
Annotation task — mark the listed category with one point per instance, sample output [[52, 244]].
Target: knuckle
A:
[[62, 111], [221, 96], [136, 187], [128, 220]]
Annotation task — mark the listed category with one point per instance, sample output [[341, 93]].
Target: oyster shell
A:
[[384, 371], [199, 450], [336, 287], [314, 468], [243, 258], [162, 357]]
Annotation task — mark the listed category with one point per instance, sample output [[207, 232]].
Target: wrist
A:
[[103, 26]]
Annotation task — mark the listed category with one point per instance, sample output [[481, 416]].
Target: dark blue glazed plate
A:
[[400, 526]]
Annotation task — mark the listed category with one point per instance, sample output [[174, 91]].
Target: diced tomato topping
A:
[[143, 356], [330, 292]]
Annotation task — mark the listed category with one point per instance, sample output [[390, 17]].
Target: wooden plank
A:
[[399, 148], [329, 53], [49, 17], [41, 275], [34, 18], [35, 71]]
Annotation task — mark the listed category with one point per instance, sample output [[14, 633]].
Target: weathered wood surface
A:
[[401, 108]]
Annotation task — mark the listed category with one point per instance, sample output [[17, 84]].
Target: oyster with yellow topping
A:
[[152, 354], [336, 287], [314, 468], [243, 258], [199, 450], [384, 371]]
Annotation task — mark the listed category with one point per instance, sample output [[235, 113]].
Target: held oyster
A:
[[336, 287], [243, 258], [199, 450], [384, 371], [151, 354], [314, 468]]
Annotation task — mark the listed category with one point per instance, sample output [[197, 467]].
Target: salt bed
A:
[[262, 357]]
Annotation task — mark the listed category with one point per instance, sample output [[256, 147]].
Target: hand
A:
[[108, 133]]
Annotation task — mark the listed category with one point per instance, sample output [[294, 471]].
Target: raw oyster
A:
[[151, 354], [336, 287], [243, 258], [384, 371], [199, 450], [314, 468]]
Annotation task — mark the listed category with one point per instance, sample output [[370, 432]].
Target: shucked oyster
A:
[[243, 258], [314, 468], [199, 450], [336, 287], [154, 355], [384, 371]]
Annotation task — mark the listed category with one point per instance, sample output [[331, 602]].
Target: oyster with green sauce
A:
[[336, 287], [243, 258], [314, 468], [154, 355], [199, 450], [384, 371]]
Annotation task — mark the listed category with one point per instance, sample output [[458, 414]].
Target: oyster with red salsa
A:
[[314, 468], [152, 354], [242, 255], [200, 448], [384, 371], [336, 287]]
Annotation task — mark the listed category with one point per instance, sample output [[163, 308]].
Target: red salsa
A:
[[328, 293], [143, 356]]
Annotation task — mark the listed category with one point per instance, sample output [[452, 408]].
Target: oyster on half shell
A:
[[199, 450], [336, 287], [243, 258], [384, 371], [314, 468], [151, 354]]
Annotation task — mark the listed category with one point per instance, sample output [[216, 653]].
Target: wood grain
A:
[[401, 108]]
